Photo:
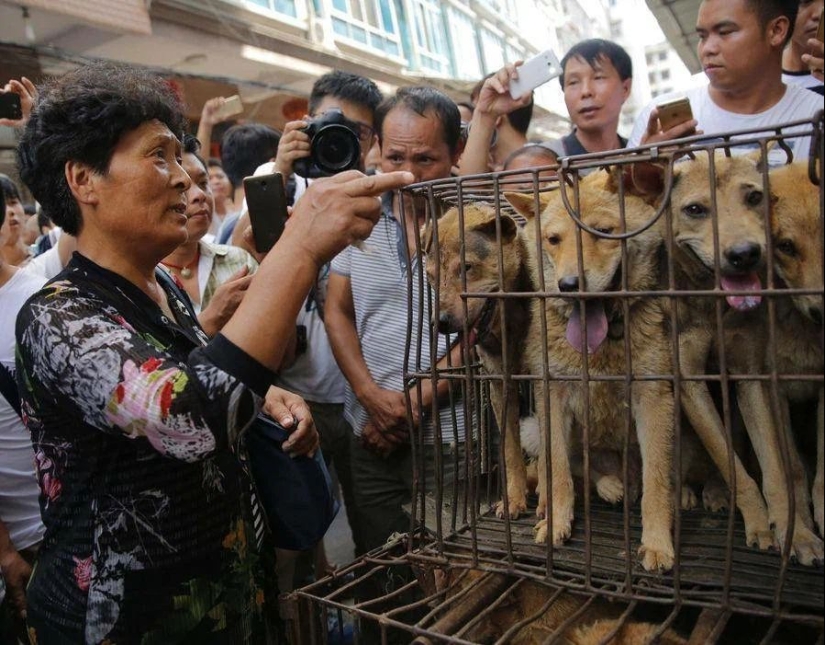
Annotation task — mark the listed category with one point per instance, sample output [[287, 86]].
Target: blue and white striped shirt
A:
[[379, 282]]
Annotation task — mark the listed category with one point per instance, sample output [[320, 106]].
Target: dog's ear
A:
[[509, 228], [643, 179], [525, 203]]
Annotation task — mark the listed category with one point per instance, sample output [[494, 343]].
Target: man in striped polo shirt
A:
[[367, 314]]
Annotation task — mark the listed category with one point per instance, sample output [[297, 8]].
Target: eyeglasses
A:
[[365, 132]]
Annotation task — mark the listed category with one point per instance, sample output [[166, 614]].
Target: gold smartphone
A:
[[820, 32], [674, 112]]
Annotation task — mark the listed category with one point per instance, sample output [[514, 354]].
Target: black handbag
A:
[[294, 492]]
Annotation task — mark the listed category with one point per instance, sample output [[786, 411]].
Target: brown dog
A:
[[739, 223], [495, 325], [596, 329], [796, 231], [530, 612]]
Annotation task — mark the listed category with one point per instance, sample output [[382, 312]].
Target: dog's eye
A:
[[607, 230], [696, 211], [553, 240], [467, 267], [754, 198], [786, 247]]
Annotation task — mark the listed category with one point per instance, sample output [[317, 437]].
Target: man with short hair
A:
[[740, 48], [597, 76], [367, 320], [355, 96]]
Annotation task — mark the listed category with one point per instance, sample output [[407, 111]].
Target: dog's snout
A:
[[445, 323], [816, 315], [569, 283], [744, 256]]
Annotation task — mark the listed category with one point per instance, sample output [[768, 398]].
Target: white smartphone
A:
[[231, 106], [536, 71]]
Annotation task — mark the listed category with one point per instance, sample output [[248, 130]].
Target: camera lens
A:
[[336, 148]]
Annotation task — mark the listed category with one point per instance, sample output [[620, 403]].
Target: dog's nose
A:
[[445, 323], [816, 315], [570, 283], [744, 256]]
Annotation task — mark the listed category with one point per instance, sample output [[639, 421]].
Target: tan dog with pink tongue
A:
[[586, 328]]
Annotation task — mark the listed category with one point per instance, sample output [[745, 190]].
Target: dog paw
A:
[[515, 507], [658, 556], [610, 489], [715, 498], [561, 531], [689, 500], [806, 547], [758, 530]]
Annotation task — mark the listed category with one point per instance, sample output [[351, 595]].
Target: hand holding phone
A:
[[674, 112], [10, 106], [231, 106], [534, 72], [266, 202]]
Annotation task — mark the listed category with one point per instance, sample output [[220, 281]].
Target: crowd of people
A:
[[141, 330]]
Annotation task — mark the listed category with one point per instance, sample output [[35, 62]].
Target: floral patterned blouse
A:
[[134, 421]]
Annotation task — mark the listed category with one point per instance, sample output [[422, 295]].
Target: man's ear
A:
[[82, 182], [777, 30], [627, 86], [459, 150]]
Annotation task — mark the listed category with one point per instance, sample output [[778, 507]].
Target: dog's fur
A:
[[796, 229], [602, 406], [495, 325], [739, 225], [548, 606], [742, 247], [606, 466], [797, 249]]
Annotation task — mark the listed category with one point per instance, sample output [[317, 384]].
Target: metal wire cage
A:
[[667, 238]]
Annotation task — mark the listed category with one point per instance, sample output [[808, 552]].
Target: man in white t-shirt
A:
[[740, 48], [21, 529]]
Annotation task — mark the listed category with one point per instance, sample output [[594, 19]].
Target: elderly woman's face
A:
[[142, 196], [200, 202]]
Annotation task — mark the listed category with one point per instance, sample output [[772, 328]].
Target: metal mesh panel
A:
[[729, 580]]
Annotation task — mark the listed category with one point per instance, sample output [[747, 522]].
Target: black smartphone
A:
[[10, 106], [266, 201]]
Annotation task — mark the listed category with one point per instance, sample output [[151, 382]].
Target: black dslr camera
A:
[[334, 146]]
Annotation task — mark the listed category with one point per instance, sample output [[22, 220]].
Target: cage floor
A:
[[709, 571], [412, 592]]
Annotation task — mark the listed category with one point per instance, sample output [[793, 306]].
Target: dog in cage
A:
[[796, 233], [796, 230], [717, 220], [594, 332], [482, 606], [497, 335]]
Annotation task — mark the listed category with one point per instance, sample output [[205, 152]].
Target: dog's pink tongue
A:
[[749, 282], [596, 326]]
